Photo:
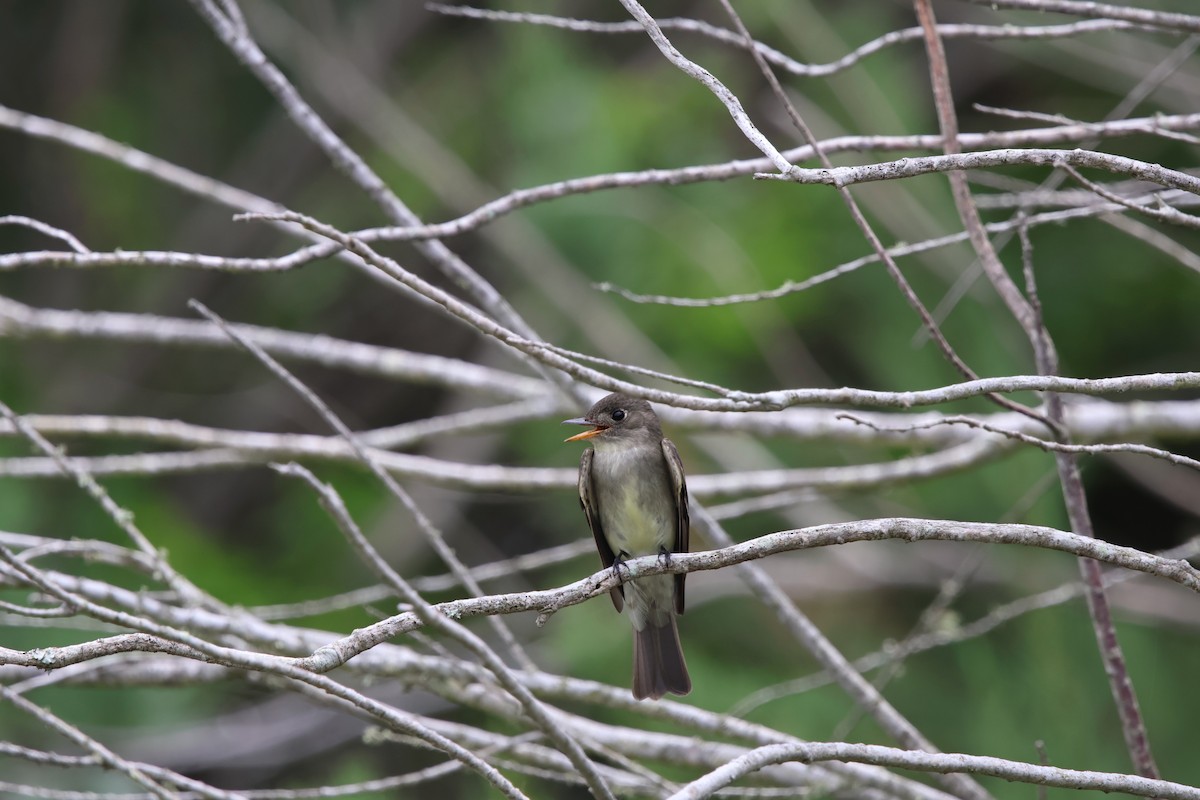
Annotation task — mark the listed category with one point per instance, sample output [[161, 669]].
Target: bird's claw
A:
[[618, 565]]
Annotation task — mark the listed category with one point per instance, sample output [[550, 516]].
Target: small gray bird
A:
[[632, 490]]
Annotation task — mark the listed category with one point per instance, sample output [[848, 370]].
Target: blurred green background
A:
[[452, 113]]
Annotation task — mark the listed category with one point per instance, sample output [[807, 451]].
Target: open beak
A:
[[596, 431]]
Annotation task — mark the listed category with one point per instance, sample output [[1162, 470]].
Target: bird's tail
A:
[[658, 665]]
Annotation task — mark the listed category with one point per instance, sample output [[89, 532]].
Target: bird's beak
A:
[[596, 431]]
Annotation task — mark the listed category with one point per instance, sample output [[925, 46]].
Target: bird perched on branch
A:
[[632, 489]]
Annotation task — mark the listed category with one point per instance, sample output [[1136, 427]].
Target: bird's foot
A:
[[619, 564]]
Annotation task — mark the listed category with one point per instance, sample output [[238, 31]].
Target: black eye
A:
[[618, 415]]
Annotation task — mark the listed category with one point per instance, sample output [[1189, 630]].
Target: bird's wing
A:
[[587, 499], [683, 523]]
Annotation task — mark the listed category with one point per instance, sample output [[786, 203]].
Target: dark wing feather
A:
[[683, 522], [587, 499]]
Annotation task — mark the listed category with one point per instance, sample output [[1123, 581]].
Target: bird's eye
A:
[[618, 415]]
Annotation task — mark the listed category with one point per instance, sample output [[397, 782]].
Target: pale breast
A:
[[634, 498]]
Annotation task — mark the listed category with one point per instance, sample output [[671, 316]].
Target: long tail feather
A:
[[658, 665]]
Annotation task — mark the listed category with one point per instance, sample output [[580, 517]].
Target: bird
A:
[[634, 495]]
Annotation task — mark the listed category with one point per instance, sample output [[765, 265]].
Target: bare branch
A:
[[121, 516], [1162, 212], [18, 319], [988, 159], [709, 81], [780, 59], [1085, 8], [942, 763], [102, 754], [1049, 446], [182, 641], [49, 230], [239, 42]]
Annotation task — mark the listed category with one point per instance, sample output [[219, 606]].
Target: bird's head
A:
[[617, 416]]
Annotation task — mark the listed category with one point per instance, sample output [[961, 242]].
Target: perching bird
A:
[[632, 489]]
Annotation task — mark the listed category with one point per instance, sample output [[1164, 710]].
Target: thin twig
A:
[[1163, 212], [237, 38], [1132, 99], [102, 754], [368, 359], [981, 626], [1044, 444], [1133, 724], [47, 229], [1166, 20], [990, 159], [119, 515], [780, 59]]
